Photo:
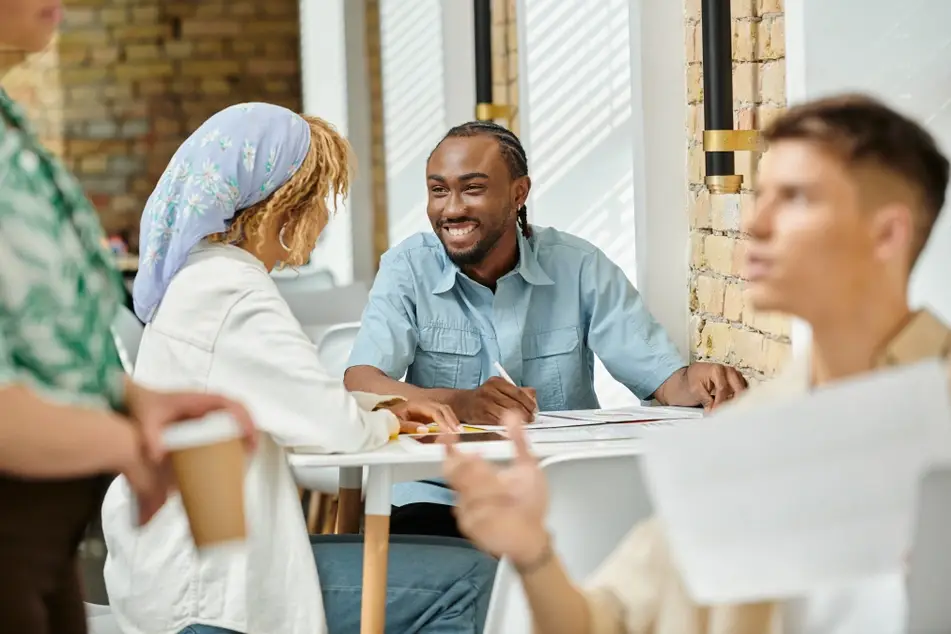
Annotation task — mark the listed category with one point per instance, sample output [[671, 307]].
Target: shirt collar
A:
[[923, 337], [528, 267]]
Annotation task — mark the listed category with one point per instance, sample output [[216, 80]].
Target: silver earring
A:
[[280, 238]]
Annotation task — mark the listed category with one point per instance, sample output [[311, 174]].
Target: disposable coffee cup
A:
[[208, 459]]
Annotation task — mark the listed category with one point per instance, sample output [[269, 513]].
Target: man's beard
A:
[[476, 253]]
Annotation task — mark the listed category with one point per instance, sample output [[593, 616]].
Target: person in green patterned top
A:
[[69, 417]]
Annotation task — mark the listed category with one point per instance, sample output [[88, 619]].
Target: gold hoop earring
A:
[[280, 238]]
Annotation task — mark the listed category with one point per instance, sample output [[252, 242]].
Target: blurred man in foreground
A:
[[847, 196]]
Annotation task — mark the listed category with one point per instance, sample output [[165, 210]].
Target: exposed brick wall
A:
[[505, 58], [724, 326], [132, 80]]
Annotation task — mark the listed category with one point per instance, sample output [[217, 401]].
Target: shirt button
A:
[[29, 161]]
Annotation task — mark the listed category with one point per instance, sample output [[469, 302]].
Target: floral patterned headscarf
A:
[[236, 159]]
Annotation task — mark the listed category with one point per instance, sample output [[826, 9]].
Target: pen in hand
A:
[[505, 375]]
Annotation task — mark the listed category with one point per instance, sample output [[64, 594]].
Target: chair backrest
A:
[[596, 499], [292, 282], [929, 575], [326, 306], [127, 329], [333, 348]]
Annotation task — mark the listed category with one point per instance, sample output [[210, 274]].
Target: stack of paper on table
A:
[[629, 414], [776, 501], [632, 414]]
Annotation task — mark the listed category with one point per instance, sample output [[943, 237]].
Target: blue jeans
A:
[[435, 585]]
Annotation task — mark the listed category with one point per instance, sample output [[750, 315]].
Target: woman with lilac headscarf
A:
[[248, 190]]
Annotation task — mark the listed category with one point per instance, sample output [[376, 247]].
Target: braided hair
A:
[[512, 152]]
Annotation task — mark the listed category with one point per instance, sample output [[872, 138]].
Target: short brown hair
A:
[[301, 202], [862, 130]]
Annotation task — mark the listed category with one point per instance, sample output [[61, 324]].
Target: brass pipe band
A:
[[732, 141], [492, 111], [730, 184]]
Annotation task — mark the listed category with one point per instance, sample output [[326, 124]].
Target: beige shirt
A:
[[638, 591]]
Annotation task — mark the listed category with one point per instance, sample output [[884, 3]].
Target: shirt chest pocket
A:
[[552, 365], [448, 358]]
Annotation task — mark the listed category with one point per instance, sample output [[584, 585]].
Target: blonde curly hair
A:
[[303, 205]]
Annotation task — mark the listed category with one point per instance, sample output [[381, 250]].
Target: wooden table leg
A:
[[376, 550], [376, 547], [350, 506]]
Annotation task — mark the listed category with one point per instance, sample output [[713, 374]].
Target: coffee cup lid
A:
[[211, 429]]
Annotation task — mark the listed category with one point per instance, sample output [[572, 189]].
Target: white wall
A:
[[335, 86], [428, 66], [899, 53], [660, 160], [592, 73]]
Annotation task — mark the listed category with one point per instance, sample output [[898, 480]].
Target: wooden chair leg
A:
[[329, 508], [313, 512], [321, 513], [349, 511]]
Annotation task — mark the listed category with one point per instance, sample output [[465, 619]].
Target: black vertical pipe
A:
[[717, 79], [483, 50]]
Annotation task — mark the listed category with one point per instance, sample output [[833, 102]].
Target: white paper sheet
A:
[[776, 501], [585, 417], [627, 414], [617, 431]]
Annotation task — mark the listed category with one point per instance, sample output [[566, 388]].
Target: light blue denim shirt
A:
[[563, 304]]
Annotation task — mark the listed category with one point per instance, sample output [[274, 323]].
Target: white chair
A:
[[127, 331], [326, 306], [334, 346], [596, 499], [929, 574], [304, 283], [333, 350], [99, 620]]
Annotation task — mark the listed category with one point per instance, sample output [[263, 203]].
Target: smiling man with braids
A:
[[488, 287]]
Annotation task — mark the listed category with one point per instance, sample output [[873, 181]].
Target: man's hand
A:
[[706, 384], [488, 403], [415, 415], [501, 510], [714, 384]]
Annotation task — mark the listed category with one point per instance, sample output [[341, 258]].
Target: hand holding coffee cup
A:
[[153, 411], [208, 461]]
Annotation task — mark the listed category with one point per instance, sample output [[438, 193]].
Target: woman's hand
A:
[[416, 415]]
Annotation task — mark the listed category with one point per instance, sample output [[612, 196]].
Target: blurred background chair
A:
[[292, 281], [326, 306], [127, 331], [333, 349], [334, 346], [330, 317]]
